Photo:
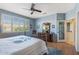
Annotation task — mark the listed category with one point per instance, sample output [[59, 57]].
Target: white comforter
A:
[[28, 46]]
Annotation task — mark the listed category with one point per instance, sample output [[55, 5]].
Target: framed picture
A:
[[53, 26]]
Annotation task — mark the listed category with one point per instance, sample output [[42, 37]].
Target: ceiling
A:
[[47, 8]]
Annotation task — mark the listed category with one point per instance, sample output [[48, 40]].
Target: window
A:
[[18, 25], [22, 24], [26, 25], [14, 24], [68, 27], [6, 23]]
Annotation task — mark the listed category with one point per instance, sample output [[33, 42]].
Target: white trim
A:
[[76, 33]]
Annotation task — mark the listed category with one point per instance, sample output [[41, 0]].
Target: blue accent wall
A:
[[51, 19]]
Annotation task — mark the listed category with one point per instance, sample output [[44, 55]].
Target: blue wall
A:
[[51, 19]]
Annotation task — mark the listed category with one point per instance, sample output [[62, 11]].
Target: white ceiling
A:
[[47, 8]]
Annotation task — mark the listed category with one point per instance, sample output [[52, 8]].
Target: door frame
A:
[[73, 22], [58, 31]]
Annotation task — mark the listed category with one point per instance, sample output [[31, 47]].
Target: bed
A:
[[22, 45]]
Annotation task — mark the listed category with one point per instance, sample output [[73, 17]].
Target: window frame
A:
[[12, 18]]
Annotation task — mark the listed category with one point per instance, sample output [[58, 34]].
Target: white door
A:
[[60, 32]]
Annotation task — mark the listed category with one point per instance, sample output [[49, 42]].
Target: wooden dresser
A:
[[45, 36]]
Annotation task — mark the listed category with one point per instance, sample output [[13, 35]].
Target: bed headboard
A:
[[5, 35]]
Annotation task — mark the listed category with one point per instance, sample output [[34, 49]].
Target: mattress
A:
[[22, 45]]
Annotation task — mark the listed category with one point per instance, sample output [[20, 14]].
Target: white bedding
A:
[[28, 46]]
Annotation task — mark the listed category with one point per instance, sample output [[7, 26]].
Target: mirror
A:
[[46, 27]]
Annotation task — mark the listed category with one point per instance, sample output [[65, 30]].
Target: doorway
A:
[[60, 33], [70, 32]]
